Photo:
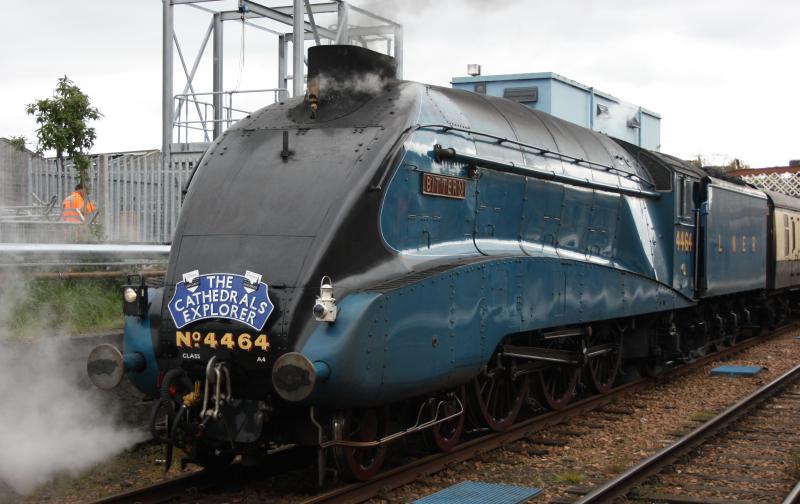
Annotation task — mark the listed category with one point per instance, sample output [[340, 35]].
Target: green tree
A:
[[18, 142], [63, 124], [736, 164], [697, 162]]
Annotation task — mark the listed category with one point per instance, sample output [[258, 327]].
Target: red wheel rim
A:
[[446, 435], [556, 386], [500, 395], [362, 464], [603, 369]]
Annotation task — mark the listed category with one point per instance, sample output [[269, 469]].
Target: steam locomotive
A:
[[381, 258]]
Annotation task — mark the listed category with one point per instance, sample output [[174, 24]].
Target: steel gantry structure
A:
[[205, 114]]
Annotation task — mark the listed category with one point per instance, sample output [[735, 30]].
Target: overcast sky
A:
[[724, 74]]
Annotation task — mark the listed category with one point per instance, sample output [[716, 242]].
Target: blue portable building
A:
[[574, 102]]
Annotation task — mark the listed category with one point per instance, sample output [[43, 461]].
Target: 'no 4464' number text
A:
[[244, 341]]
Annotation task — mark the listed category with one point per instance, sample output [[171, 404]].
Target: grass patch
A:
[[44, 307], [703, 416], [571, 477], [617, 465]]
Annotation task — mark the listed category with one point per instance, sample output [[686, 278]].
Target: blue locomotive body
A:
[[515, 253], [471, 240]]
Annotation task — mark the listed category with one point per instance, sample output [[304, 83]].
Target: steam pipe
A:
[[37, 251], [87, 274]]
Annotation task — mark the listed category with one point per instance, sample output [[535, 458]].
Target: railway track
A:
[[744, 455], [190, 485], [201, 481], [165, 491]]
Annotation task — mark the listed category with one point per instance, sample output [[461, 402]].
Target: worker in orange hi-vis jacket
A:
[[76, 208]]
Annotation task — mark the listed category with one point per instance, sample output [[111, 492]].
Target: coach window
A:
[[785, 235]]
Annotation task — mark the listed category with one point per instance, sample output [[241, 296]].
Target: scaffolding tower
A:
[[196, 115]]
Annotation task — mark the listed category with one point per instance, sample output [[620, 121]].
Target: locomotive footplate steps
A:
[[360, 436]]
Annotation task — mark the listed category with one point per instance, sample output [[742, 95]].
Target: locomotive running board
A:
[[542, 354], [555, 355], [566, 333]]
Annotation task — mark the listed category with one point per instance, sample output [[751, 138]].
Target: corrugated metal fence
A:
[[138, 201]]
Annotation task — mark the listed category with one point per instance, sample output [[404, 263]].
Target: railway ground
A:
[[564, 459], [123, 403], [748, 454]]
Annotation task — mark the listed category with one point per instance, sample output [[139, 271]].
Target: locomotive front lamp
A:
[[325, 309], [134, 298], [130, 295]]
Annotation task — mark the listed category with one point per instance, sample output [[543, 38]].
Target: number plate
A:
[[218, 340]]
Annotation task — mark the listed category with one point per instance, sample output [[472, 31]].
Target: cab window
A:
[[684, 197]]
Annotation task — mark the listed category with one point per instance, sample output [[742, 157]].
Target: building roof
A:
[[544, 75]]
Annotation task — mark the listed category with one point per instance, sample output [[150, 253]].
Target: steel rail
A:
[[794, 495], [397, 477], [164, 491], [636, 475]]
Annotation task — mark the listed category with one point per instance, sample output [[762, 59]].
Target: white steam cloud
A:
[[366, 83], [51, 421]]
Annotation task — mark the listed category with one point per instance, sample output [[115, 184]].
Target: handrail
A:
[[541, 150], [529, 171], [209, 119]]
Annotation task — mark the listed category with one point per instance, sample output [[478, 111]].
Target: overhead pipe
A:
[[86, 274], [63, 253]]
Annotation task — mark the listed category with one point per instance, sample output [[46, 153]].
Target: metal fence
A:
[[786, 182], [138, 200]]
